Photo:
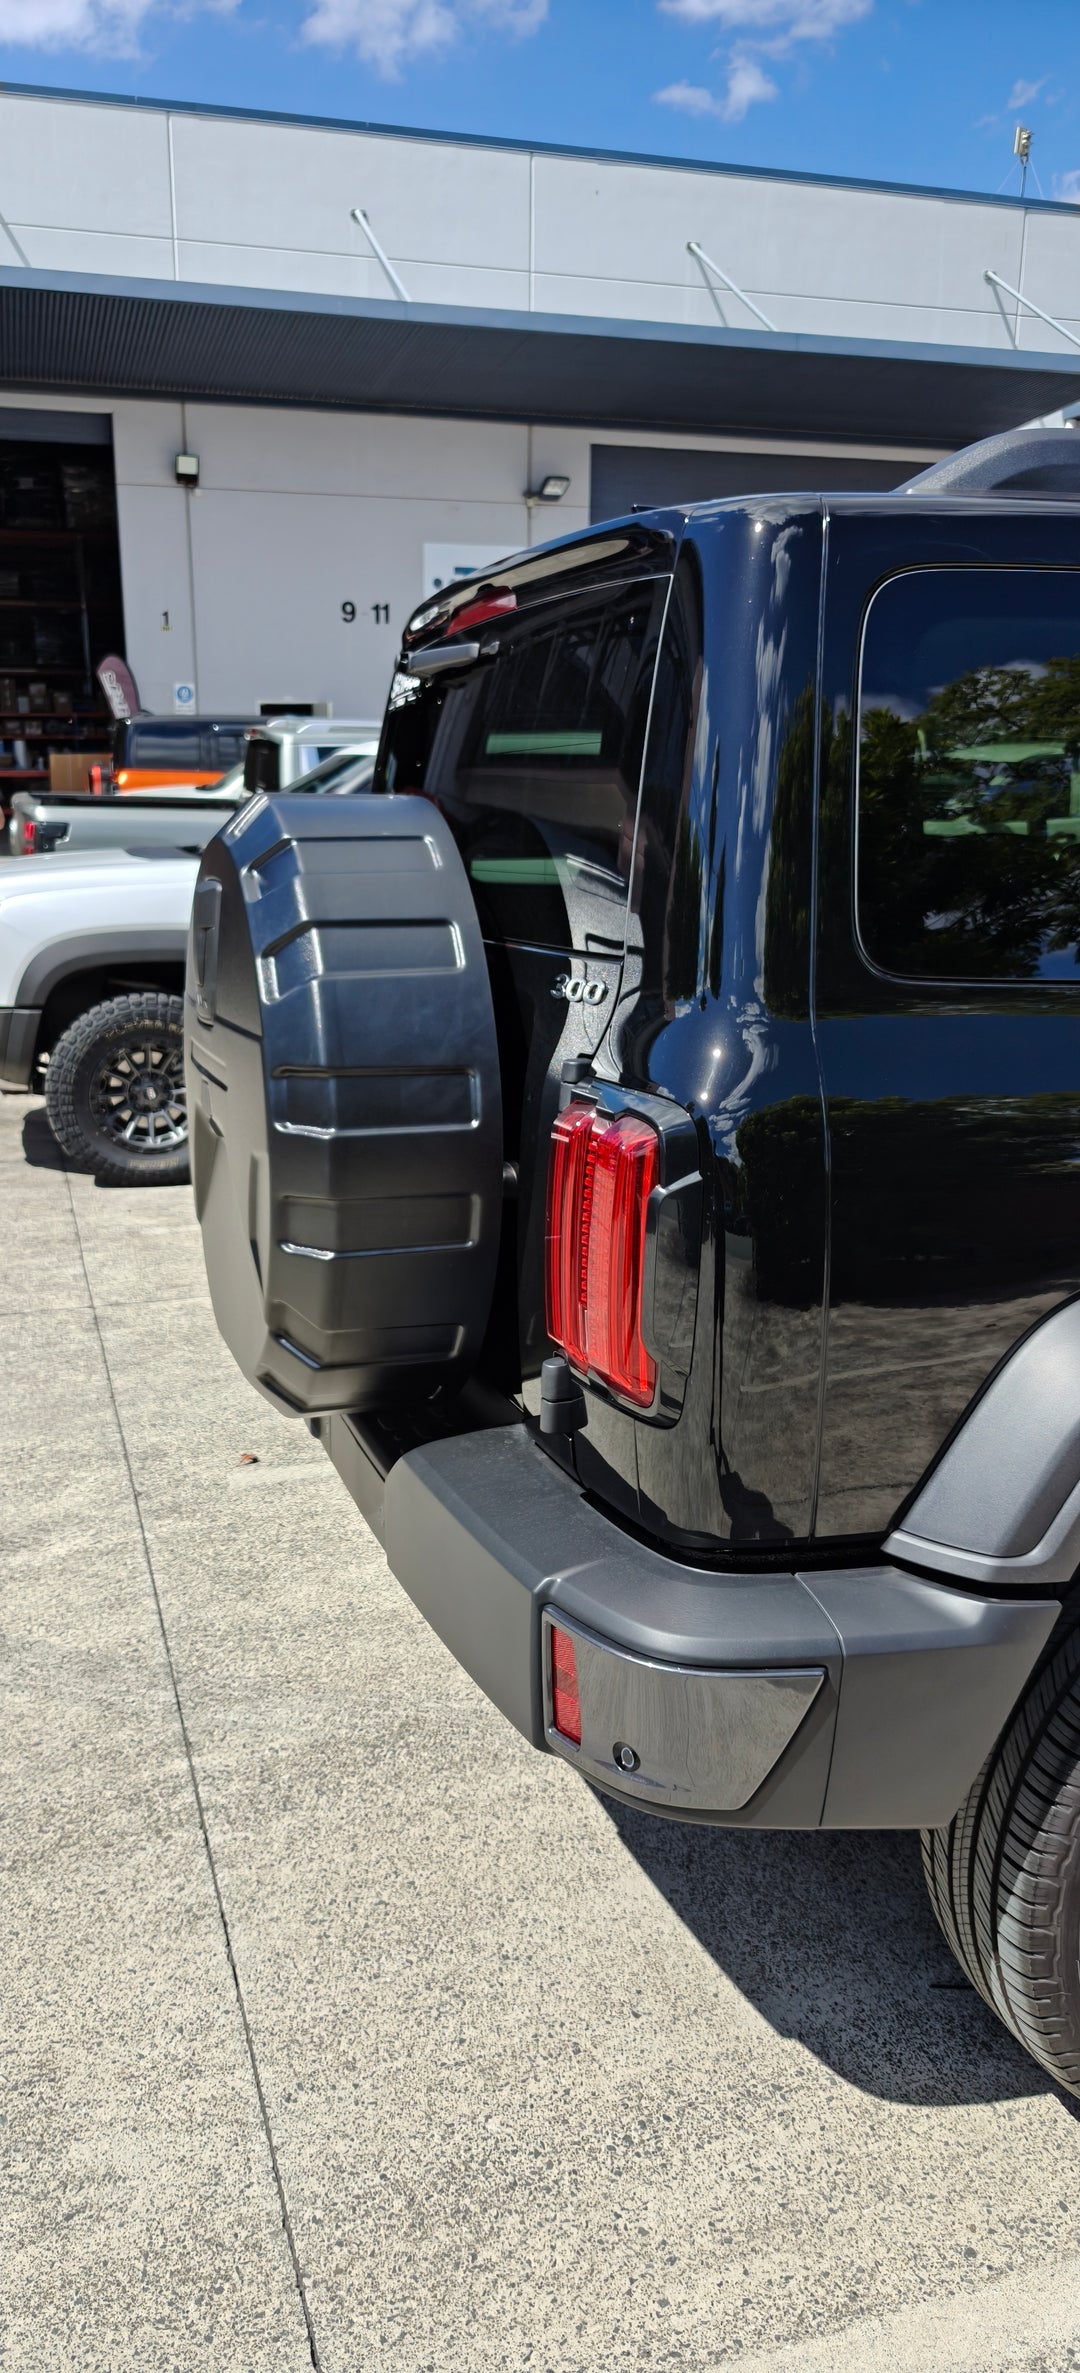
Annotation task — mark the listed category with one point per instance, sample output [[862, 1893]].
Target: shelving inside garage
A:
[[61, 609]]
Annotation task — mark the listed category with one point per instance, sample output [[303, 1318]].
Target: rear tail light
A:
[[28, 836], [603, 1170], [565, 1702]]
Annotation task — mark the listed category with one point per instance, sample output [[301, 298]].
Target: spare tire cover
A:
[[346, 1119]]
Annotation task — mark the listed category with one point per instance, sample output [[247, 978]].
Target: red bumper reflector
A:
[[602, 1172], [566, 1705]]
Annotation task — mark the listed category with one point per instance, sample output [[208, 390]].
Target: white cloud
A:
[[1022, 94], [111, 26], [390, 33], [689, 97], [761, 29], [746, 84], [1067, 186], [769, 21]]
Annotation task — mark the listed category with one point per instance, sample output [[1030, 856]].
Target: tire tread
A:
[[140, 1009], [1004, 1875]]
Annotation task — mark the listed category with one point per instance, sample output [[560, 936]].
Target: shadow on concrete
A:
[[830, 1935], [40, 1146]]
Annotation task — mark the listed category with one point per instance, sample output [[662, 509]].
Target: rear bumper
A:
[[860, 1699], [19, 1026]]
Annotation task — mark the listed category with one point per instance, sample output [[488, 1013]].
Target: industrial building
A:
[[266, 381]]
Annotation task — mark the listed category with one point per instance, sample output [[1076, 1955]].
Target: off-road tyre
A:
[[1004, 1877], [115, 1093]]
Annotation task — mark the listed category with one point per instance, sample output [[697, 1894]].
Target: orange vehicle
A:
[[156, 753]]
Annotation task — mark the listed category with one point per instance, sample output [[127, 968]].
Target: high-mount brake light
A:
[[565, 1702], [489, 605], [603, 1170]]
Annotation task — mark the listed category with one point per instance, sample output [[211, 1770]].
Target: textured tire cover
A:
[[343, 1082]]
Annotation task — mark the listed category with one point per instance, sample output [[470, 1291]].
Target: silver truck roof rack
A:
[[1022, 461]]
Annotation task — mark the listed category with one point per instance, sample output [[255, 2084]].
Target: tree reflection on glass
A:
[[969, 820]]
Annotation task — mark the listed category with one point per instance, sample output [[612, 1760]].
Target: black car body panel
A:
[[954, 1104], [770, 811]]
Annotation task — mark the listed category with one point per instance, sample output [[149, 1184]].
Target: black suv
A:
[[642, 1138]]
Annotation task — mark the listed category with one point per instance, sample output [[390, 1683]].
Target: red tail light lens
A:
[[567, 1283], [28, 835], [602, 1172], [476, 613], [565, 1702]]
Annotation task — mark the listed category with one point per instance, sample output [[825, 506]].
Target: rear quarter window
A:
[[534, 756], [968, 777]]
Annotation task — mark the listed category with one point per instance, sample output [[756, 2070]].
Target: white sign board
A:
[[444, 562], [183, 696]]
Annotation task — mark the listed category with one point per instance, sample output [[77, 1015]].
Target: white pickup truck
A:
[[92, 952], [91, 980]]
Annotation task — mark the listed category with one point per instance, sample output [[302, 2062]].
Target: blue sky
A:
[[902, 90]]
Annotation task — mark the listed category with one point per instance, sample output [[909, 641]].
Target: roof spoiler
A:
[[1022, 461]]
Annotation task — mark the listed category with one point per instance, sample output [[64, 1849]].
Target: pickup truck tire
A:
[[1004, 1877], [115, 1092]]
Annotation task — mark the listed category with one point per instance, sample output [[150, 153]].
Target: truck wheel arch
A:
[[102, 954]]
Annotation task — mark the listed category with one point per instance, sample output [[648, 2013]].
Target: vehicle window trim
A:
[[1007, 983]]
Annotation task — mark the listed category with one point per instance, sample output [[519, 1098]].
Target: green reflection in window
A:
[[543, 745], [969, 776]]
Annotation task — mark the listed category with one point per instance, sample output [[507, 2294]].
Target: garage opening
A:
[[61, 608], [652, 475]]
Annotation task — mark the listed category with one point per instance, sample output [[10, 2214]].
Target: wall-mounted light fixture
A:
[[550, 490], [187, 470]]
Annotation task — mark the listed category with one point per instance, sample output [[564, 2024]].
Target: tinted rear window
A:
[[223, 745], [534, 756], [968, 863], [162, 744]]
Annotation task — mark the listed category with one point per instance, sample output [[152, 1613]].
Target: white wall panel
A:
[[1051, 277], [271, 574], [223, 266], [356, 274], [269, 185], [302, 452], [109, 252], [156, 579], [146, 440], [84, 167]]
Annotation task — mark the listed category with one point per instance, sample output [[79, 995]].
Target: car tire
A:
[[115, 1092], [1004, 1876]]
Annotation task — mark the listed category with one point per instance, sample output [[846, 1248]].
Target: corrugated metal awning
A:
[[75, 332]]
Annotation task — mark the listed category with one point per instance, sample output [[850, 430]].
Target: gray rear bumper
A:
[[854, 1699]]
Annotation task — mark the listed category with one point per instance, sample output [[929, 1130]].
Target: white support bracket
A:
[[398, 285], [1029, 305], [708, 265]]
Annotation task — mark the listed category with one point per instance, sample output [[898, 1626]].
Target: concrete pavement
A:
[[341, 2029]]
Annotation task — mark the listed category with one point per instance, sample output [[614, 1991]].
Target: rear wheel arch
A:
[[74, 992]]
